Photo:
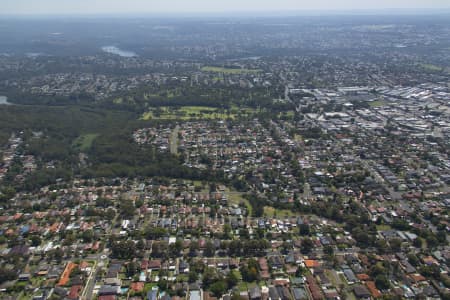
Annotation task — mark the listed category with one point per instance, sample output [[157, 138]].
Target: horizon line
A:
[[241, 13]]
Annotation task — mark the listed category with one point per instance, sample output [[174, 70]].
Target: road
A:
[[99, 260], [90, 283]]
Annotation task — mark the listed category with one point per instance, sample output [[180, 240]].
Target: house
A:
[[283, 292], [109, 297], [331, 294], [255, 293], [154, 264], [152, 294], [373, 289], [107, 290], [361, 292], [314, 289], [65, 277], [62, 292], [113, 281], [297, 281], [74, 292], [273, 294], [350, 276], [24, 277], [183, 267], [276, 262], [194, 295], [311, 263], [299, 294]]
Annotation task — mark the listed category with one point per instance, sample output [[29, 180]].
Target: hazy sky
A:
[[183, 6]]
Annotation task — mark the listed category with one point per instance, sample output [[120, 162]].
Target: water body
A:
[[117, 51], [4, 100]]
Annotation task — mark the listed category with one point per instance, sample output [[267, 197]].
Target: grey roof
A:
[[350, 275], [108, 290], [299, 294], [255, 293], [194, 295], [152, 295], [273, 293]]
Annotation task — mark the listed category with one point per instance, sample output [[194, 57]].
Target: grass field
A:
[[431, 67], [193, 113], [271, 211], [377, 103], [236, 198], [383, 227], [237, 273], [84, 142], [298, 138], [287, 114], [229, 70]]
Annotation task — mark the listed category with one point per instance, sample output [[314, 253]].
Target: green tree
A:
[[192, 276], [304, 229], [328, 250], [7, 275], [382, 282], [249, 271], [209, 249], [132, 269], [35, 240], [209, 276], [306, 246], [218, 288], [87, 236], [418, 242], [232, 279]]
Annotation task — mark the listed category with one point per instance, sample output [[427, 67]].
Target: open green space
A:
[[229, 70], [238, 274], [194, 113], [383, 227], [237, 198], [271, 211], [286, 114], [298, 138], [333, 277], [431, 68], [242, 286], [84, 142], [377, 103]]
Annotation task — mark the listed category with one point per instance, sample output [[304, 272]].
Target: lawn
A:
[[242, 286], [185, 113], [84, 142], [236, 198], [271, 211], [193, 112], [238, 274], [149, 286], [334, 278], [229, 70], [377, 103], [298, 138], [118, 100], [287, 114], [37, 281], [431, 67], [383, 227]]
